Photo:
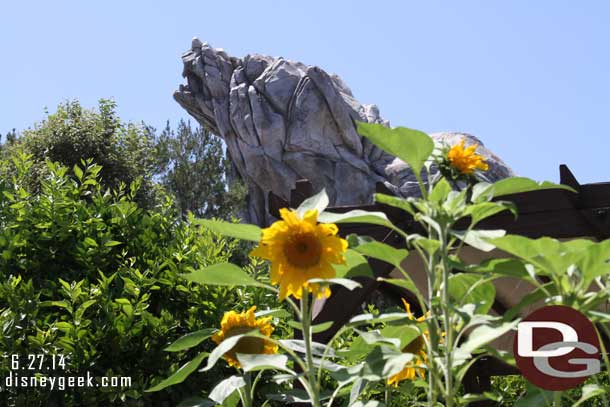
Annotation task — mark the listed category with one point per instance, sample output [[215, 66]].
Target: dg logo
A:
[[556, 348]]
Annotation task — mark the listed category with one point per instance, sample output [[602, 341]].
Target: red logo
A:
[[556, 348]]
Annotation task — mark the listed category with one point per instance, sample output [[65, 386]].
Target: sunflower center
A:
[[247, 345], [416, 346], [303, 250]]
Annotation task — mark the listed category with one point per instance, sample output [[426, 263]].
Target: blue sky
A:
[[530, 78]]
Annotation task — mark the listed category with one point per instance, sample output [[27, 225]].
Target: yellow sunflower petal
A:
[[300, 250]]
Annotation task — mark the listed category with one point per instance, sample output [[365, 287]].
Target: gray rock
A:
[[283, 121]]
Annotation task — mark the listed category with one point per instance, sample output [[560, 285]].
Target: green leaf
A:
[[319, 202], [112, 243], [376, 338], [482, 335], [588, 392], [516, 185], [225, 388], [467, 288], [83, 307], [345, 282], [252, 363], [384, 252], [440, 191], [355, 266], [484, 210], [501, 267], [90, 242], [592, 260], [298, 345], [399, 282], [179, 375], [78, 172], [384, 362], [356, 216], [237, 230], [189, 340], [535, 396], [367, 319], [429, 245], [357, 388], [225, 346], [321, 327], [61, 304], [394, 201], [479, 239], [275, 312], [412, 146], [404, 333], [222, 274], [314, 328]]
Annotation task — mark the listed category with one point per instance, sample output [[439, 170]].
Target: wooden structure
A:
[[556, 213]]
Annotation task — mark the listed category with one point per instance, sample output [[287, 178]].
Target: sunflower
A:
[[466, 160], [234, 323], [300, 250], [418, 348]]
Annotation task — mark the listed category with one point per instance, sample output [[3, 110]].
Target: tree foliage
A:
[[125, 151], [193, 167]]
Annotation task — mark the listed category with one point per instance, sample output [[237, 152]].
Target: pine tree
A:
[[192, 165]]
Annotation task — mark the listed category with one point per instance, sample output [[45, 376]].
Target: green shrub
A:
[[89, 273], [125, 151]]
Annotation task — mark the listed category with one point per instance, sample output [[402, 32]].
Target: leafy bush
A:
[[125, 151], [89, 273]]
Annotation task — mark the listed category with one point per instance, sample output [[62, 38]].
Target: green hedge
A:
[[87, 272]]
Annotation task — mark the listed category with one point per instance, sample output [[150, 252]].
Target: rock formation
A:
[[283, 120]]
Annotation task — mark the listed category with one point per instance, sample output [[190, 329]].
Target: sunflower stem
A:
[[246, 394], [310, 373], [446, 320]]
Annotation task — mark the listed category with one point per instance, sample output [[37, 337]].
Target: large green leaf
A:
[[236, 230], [252, 363], [502, 267], [483, 240], [412, 146], [225, 346], [546, 253], [483, 210], [384, 362], [367, 319], [590, 391], [189, 340], [226, 387], [355, 266], [592, 260], [467, 288], [345, 282], [318, 202], [179, 375], [403, 283], [404, 333], [440, 191], [395, 201], [376, 338], [382, 251], [356, 216], [482, 335], [515, 185], [222, 274]]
